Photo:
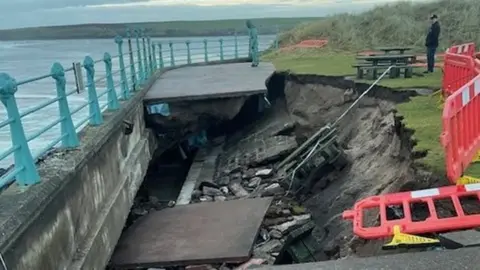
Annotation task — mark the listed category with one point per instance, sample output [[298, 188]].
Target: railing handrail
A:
[[135, 67]]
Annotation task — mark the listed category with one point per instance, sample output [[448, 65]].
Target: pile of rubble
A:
[[283, 217], [245, 170], [237, 185]]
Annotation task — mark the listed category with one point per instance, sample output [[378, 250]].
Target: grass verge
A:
[[338, 63]]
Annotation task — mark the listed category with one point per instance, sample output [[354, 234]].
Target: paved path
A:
[[459, 259], [203, 82]]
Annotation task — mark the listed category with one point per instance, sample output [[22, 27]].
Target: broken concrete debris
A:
[[238, 190], [224, 190], [209, 191], [245, 170], [206, 198], [282, 217], [273, 189], [254, 182], [249, 173], [264, 173], [220, 198], [275, 234], [297, 220]]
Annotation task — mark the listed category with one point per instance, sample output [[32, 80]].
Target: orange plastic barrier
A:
[[458, 70], [428, 198], [311, 43], [463, 49], [461, 128]]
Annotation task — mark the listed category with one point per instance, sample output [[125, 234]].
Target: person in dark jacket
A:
[[431, 42]]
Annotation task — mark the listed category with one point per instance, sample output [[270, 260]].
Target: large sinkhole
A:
[[250, 136]]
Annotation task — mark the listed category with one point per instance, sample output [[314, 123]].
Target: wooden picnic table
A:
[[399, 49], [391, 58], [373, 63]]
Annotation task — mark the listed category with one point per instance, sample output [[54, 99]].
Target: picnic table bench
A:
[[399, 49], [374, 63]]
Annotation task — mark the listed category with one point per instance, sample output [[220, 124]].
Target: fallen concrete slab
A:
[[203, 233]]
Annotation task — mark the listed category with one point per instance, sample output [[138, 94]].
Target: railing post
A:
[[205, 48], [160, 56], [249, 43], [236, 46], [141, 77], [27, 172], [132, 62], [150, 60], [112, 93], [255, 56], [145, 61], [172, 57], [96, 117], [123, 73], [66, 125], [189, 56], [154, 58], [276, 38], [221, 49]]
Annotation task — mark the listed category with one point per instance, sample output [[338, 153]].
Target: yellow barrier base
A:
[[465, 180], [441, 99], [476, 158], [408, 240]]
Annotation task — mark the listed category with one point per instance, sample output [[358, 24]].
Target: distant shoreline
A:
[[111, 37], [173, 29]]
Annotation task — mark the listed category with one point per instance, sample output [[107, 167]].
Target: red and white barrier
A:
[[458, 70], [460, 139], [461, 128], [404, 201], [460, 66], [463, 49]]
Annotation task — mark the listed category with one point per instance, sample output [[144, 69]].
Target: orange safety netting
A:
[[311, 43]]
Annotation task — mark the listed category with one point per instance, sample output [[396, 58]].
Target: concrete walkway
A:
[[465, 258], [210, 81]]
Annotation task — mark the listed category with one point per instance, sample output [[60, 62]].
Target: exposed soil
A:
[[378, 146]]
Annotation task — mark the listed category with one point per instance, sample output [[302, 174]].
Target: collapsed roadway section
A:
[[196, 111]]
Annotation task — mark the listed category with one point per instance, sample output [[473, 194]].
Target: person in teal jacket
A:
[[253, 42]]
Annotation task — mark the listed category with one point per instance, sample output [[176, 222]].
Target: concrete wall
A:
[[74, 217]]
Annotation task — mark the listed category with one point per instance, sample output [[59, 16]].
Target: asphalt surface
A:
[[210, 81], [458, 259]]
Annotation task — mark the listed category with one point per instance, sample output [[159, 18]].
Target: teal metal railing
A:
[[113, 79]]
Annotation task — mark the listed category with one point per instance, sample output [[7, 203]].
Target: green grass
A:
[[421, 114], [424, 115], [311, 61], [338, 63]]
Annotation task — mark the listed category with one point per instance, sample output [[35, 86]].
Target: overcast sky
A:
[[26, 13]]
